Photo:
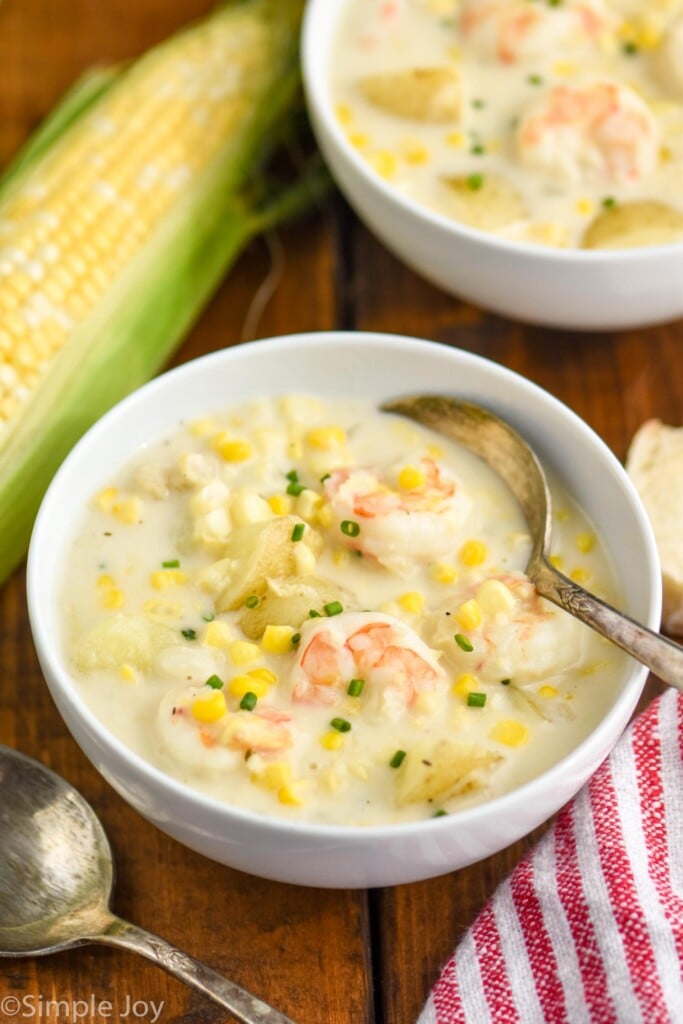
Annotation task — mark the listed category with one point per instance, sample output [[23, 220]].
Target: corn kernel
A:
[[411, 478], [105, 582], [112, 598], [332, 740], [231, 449], [557, 561], [455, 139], [105, 499], [326, 438], [414, 152], [239, 685], [442, 572], [547, 691], [324, 516], [209, 709], [218, 634], [162, 579], [263, 674], [385, 163], [580, 575], [281, 504], [510, 732], [584, 206], [473, 552], [412, 602], [585, 542], [464, 684], [564, 68], [242, 652], [275, 775], [288, 795], [307, 503], [246, 508], [494, 597], [127, 510], [277, 639], [344, 113], [127, 673], [469, 614]]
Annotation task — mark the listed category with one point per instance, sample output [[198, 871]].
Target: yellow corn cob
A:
[[119, 219]]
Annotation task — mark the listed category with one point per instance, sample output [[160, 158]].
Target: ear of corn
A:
[[118, 220]]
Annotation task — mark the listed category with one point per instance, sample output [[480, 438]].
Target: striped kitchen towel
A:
[[588, 929]]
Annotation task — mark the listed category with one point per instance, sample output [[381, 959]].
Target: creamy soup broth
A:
[[314, 610], [527, 118]]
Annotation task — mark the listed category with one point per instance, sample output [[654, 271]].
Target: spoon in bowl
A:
[[494, 441], [56, 876]]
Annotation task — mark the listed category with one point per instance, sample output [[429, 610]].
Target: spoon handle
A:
[[245, 1008], [661, 655]]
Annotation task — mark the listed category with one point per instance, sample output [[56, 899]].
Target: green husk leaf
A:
[[146, 312]]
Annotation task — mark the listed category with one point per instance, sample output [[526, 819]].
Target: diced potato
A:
[[288, 602], [484, 201], [123, 639], [420, 94], [441, 771], [259, 551], [631, 225]]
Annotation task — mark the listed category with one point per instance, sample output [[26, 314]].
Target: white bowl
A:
[[374, 367], [556, 287]]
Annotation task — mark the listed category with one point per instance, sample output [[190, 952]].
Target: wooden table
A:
[[323, 957]]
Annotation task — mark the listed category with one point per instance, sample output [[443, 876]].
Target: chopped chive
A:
[[630, 49], [341, 725], [189, 634], [478, 149], [248, 702], [505, 682], [463, 643], [350, 528], [296, 639], [534, 79], [333, 608], [324, 477], [397, 759], [253, 601], [475, 182], [476, 700], [313, 614], [172, 563], [608, 202], [295, 488], [355, 687], [298, 531], [215, 682], [440, 813], [209, 617], [478, 104], [292, 476]]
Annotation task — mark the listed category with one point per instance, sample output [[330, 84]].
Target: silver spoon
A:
[[56, 875], [493, 440]]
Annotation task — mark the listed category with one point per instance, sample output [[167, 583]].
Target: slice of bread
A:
[[655, 465]]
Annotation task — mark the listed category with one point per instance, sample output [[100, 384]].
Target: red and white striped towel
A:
[[588, 929]]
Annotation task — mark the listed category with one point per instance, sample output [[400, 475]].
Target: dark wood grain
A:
[[323, 957]]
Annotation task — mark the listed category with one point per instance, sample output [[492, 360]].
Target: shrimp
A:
[[521, 637], [510, 31], [395, 664], [220, 744], [597, 130], [398, 526]]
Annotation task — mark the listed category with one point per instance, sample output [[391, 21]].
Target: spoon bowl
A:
[[56, 879], [495, 441]]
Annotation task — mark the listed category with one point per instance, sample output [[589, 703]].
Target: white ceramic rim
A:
[[317, 34], [38, 593]]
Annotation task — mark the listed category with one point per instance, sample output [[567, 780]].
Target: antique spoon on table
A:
[[56, 875], [493, 440]]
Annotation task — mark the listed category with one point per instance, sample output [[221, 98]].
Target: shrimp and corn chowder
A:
[[316, 610], [555, 122]]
